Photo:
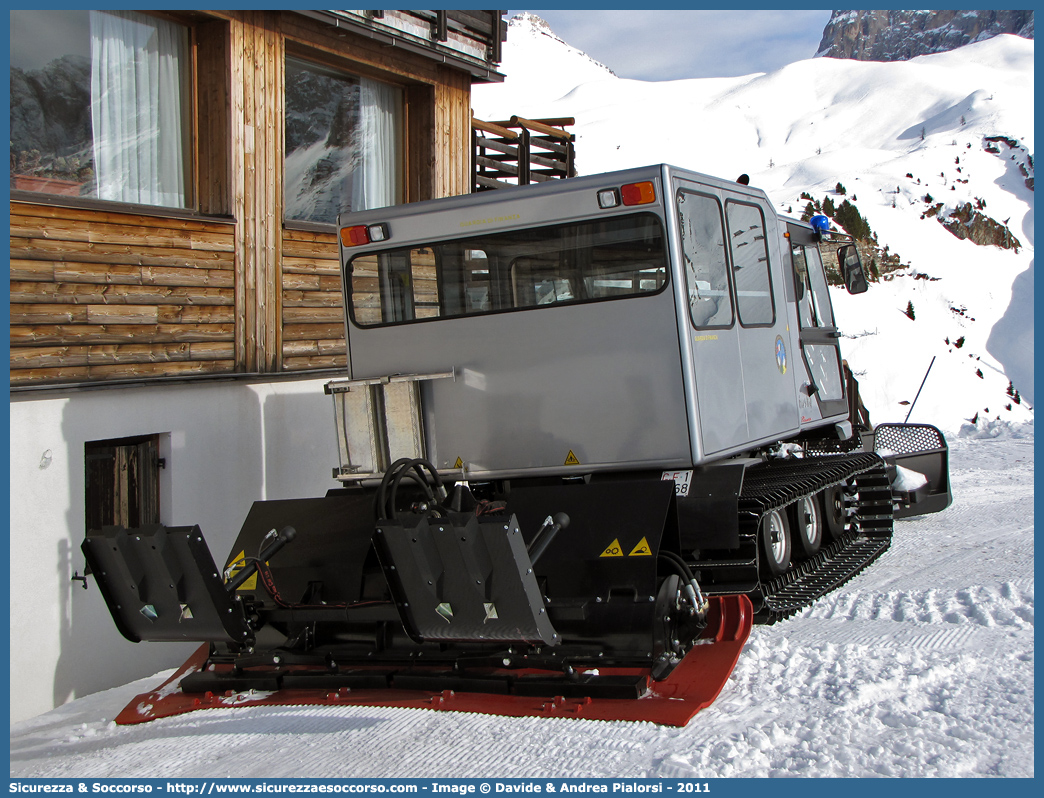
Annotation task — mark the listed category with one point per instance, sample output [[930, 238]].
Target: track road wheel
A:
[[833, 505], [807, 525], [775, 543]]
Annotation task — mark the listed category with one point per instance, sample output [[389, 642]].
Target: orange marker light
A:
[[354, 236], [638, 193]]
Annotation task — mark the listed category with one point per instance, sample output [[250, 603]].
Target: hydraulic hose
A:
[[692, 587], [415, 470]]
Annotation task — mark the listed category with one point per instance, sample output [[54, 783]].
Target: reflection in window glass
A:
[[820, 291], [806, 310], [343, 143], [826, 371], [812, 293], [703, 244], [529, 268], [98, 106], [750, 265]]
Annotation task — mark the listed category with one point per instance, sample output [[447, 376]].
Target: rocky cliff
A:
[[901, 35]]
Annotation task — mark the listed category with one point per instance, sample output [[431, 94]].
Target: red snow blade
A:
[[691, 686]]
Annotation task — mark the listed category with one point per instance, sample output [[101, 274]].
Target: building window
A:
[[99, 106], [343, 143], [122, 482]]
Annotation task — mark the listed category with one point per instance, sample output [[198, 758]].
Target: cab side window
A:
[[806, 310], [750, 264], [706, 269], [813, 295]]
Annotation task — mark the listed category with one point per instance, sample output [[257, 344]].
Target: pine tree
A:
[[910, 310], [848, 216]]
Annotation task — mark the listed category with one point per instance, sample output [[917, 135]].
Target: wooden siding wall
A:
[[453, 125], [103, 292], [257, 184], [313, 308], [108, 295]]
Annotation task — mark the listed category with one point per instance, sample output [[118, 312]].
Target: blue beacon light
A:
[[820, 224]]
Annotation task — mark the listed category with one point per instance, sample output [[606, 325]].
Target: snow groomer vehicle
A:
[[591, 430]]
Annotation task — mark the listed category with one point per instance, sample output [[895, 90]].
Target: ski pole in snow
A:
[[908, 412]]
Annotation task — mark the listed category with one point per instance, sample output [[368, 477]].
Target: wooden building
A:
[[234, 270], [175, 292]]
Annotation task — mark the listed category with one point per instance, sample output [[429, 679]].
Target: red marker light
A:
[[354, 236], [638, 193]]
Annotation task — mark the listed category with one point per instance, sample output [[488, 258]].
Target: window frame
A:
[[768, 264], [190, 122], [506, 273], [143, 487], [329, 63], [733, 314], [817, 293]]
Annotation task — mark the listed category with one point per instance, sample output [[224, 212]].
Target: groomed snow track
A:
[[776, 485]]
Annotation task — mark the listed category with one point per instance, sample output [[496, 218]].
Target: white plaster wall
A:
[[226, 444]]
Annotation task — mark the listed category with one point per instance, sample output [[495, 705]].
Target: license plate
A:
[[681, 481]]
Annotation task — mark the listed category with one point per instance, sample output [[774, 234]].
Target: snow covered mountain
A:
[[900, 35], [925, 149]]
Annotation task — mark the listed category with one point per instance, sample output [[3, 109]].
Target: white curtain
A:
[[377, 179], [136, 114]]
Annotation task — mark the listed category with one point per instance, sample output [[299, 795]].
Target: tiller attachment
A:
[[511, 604]]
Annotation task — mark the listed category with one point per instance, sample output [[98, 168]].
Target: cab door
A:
[[744, 386], [717, 362], [819, 336]]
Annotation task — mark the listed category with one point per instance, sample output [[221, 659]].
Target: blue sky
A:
[[681, 43]]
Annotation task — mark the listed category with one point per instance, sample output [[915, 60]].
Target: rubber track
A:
[[774, 485]]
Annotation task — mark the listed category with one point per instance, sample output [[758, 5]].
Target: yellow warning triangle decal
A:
[[571, 459], [251, 582], [613, 550], [459, 463], [641, 550]]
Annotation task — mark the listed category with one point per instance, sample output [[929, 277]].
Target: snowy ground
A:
[[921, 666]]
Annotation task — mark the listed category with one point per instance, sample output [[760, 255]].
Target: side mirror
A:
[[852, 269]]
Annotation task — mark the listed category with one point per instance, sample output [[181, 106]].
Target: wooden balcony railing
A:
[[521, 151]]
